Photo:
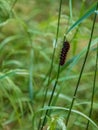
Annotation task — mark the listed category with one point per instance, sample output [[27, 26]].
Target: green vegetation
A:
[[35, 91]]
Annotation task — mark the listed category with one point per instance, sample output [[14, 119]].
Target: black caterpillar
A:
[[64, 51]]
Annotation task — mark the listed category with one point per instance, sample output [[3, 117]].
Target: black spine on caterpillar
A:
[[65, 49]]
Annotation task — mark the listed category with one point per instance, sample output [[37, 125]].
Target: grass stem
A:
[[94, 84], [51, 67], [51, 97], [87, 52]]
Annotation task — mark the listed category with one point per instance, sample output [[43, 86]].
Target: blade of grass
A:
[[13, 4], [53, 50], [77, 29], [94, 84], [70, 7], [51, 67], [31, 88], [63, 109], [13, 73], [67, 119], [85, 16], [51, 97], [8, 40]]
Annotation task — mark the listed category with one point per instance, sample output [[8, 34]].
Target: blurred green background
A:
[[27, 33]]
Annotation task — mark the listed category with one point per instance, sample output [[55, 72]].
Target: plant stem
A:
[[53, 52], [94, 81], [74, 96], [60, 5], [15, 1], [51, 97]]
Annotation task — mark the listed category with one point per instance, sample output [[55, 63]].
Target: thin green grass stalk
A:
[[53, 51], [70, 7], [31, 88], [93, 90], [77, 29], [51, 67], [15, 1], [86, 15], [87, 52], [94, 82], [51, 97], [69, 19]]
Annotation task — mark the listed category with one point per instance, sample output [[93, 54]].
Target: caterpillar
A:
[[64, 50]]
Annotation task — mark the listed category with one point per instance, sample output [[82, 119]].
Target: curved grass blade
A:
[[82, 68], [63, 109], [85, 16], [9, 39], [31, 88]]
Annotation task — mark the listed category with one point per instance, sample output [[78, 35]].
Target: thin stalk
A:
[[70, 18], [51, 67], [93, 90], [70, 6], [94, 84], [67, 119], [53, 51], [30, 67], [51, 97], [77, 29], [15, 1], [31, 89]]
